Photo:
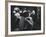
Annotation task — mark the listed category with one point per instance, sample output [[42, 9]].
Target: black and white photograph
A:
[[24, 18]]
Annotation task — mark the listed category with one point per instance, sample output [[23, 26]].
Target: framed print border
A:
[[7, 22]]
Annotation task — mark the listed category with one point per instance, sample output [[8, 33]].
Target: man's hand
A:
[[29, 20]]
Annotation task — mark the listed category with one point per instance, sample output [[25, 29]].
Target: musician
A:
[[28, 21]]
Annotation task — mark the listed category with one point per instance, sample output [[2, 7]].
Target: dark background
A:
[[37, 21]]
